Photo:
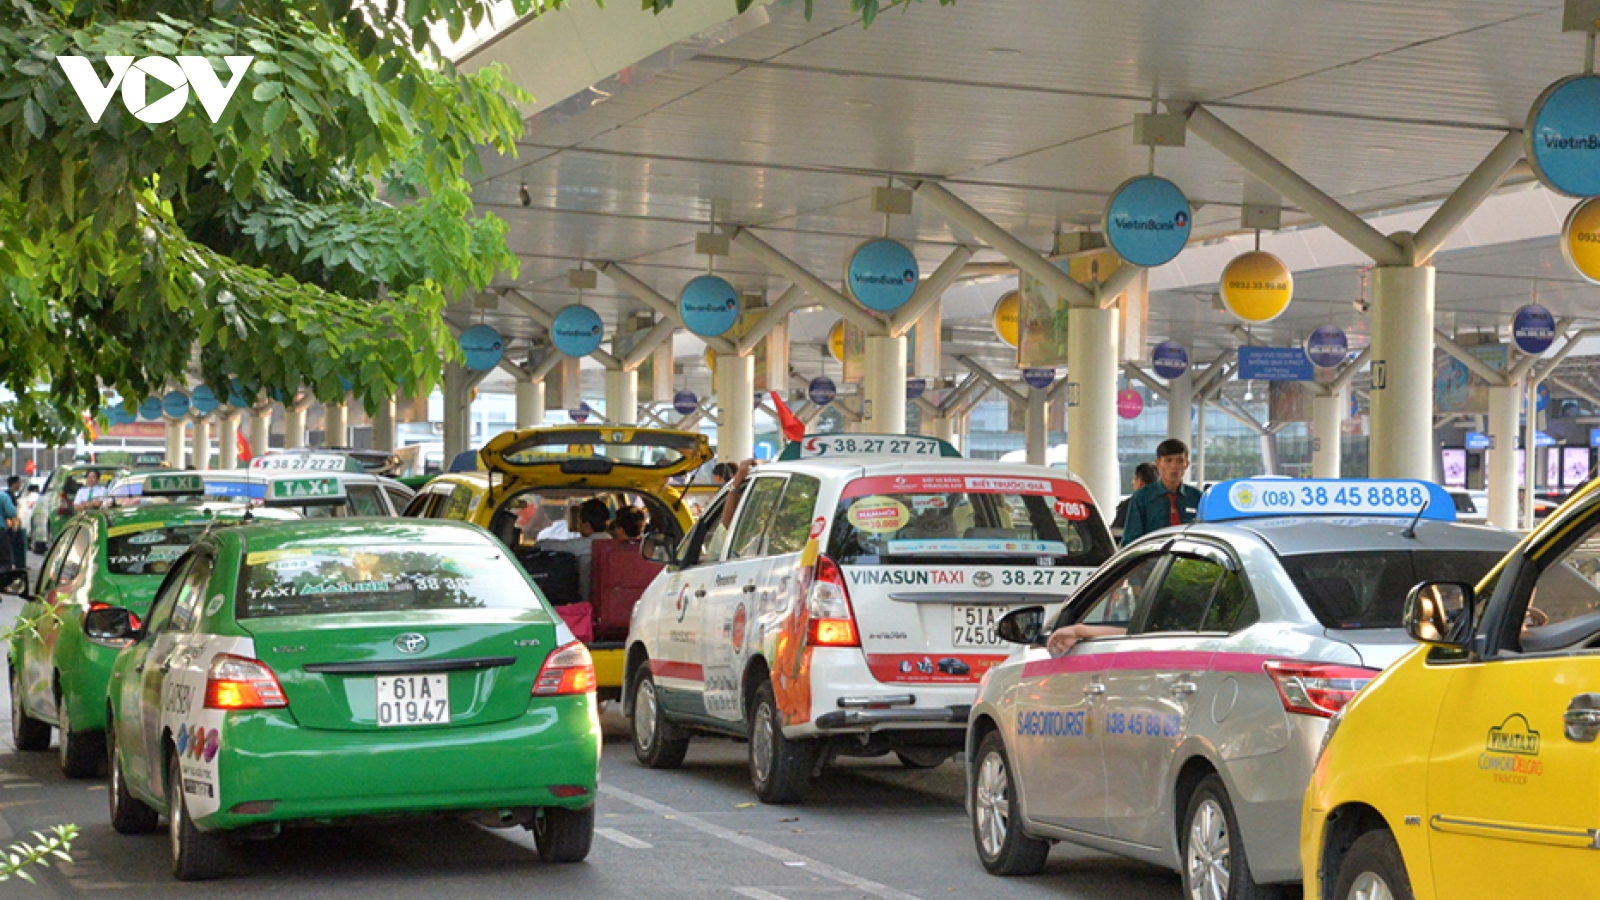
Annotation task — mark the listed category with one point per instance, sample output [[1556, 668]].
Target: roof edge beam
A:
[[1466, 198], [929, 292], [782, 265], [1116, 283], [791, 298], [1546, 367], [552, 358], [1478, 367], [1349, 372], [1216, 373], [1573, 389], [953, 400], [655, 337], [1143, 377], [992, 380], [653, 298], [1244, 417], [1292, 185]]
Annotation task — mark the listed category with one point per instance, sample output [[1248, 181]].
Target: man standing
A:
[[9, 519], [1167, 502], [1143, 474], [18, 537]]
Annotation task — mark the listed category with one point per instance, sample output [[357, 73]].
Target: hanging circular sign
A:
[[123, 413], [1563, 136], [238, 397], [483, 347], [882, 274], [709, 306], [916, 387], [836, 341], [204, 400], [1533, 329], [581, 414], [1005, 317], [1580, 239], [821, 391], [1170, 360], [1147, 221], [1130, 403], [1327, 347], [576, 330], [1039, 378], [685, 402], [175, 404], [1256, 286], [150, 409]]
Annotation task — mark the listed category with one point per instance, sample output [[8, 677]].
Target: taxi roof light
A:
[[569, 670], [1317, 689], [237, 682], [833, 622]]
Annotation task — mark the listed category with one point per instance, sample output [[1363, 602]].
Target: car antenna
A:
[[1411, 530]]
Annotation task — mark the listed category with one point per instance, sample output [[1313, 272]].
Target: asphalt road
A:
[[869, 829]]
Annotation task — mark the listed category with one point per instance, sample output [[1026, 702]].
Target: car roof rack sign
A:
[[813, 446], [184, 484], [1257, 498]]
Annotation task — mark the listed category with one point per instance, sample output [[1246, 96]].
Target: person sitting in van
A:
[[628, 524], [593, 517]]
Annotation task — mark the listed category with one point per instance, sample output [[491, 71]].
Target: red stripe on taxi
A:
[[667, 669]]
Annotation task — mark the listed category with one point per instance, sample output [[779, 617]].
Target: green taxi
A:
[[56, 498], [325, 670], [103, 558]]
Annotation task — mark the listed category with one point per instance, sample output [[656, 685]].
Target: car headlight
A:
[[1333, 725]]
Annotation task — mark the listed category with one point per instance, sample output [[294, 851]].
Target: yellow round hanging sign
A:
[[1005, 317], [1580, 239], [1257, 286], [836, 341]]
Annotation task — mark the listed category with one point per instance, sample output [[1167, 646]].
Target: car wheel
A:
[[196, 855], [1373, 870], [1214, 862], [780, 768], [27, 733], [1002, 846], [129, 815], [563, 835], [82, 752], [657, 743], [921, 759]]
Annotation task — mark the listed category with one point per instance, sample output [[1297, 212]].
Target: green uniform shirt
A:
[[1150, 510]]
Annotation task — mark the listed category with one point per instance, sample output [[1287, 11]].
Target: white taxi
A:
[[847, 606], [315, 485]]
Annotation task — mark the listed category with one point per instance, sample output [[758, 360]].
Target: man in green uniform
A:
[[1167, 502]]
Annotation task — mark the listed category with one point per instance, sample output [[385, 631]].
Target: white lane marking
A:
[[815, 867], [757, 894], [626, 840]]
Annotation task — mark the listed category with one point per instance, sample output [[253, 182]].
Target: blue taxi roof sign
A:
[[813, 446], [1256, 498]]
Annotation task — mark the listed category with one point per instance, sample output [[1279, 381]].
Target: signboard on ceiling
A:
[[709, 306], [821, 391], [1580, 239], [482, 347], [1042, 317], [1040, 378], [1456, 388], [685, 402], [150, 408], [1147, 221], [1477, 440], [124, 413], [1327, 347], [1170, 360], [204, 400], [238, 397], [1563, 136], [1275, 364], [1130, 403], [576, 330], [1533, 329], [1256, 287], [916, 387], [1004, 318], [175, 404], [882, 275]]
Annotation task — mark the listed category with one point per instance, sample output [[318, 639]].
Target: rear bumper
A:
[[609, 659], [874, 719]]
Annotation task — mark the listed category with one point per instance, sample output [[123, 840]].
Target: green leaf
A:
[[275, 115], [34, 117], [266, 90]]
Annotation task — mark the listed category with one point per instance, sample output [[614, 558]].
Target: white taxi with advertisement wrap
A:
[[847, 606]]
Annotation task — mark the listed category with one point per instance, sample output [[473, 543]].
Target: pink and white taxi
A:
[[846, 607]]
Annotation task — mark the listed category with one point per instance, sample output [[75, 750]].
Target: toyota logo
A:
[[411, 643]]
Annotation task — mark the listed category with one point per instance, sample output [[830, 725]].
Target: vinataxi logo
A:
[[179, 75]]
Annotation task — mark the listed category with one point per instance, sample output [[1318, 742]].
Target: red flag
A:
[[793, 428], [245, 454]]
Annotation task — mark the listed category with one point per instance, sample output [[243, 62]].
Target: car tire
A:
[[1003, 847], [780, 768], [657, 743], [82, 753], [1213, 858], [917, 760], [129, 815], [196, 855], [563, 835], [1373, 862], [28, 734]]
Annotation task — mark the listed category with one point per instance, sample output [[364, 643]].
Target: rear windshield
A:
[[968, 516], [640, 449], [1368, 589], [149, 548], [378, 578]]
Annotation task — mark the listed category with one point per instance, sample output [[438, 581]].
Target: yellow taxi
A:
[[1471, 768], [531, 491]]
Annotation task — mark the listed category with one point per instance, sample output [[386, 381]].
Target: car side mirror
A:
[[110, 623], [15, 582], [1021, 626], [1439, 613], [657, 547]]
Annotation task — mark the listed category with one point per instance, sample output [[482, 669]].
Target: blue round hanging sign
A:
[[123, 413], [204, 400], [175, 404], [1327, 347], [821, 391], [882, 275], [916, 387], [581, 414], [576, 330], [1533, 329], [1039, 378], [685, 402], [238, 397], [1170, 360], [1147, 221], [709, 306], [1563, 136], [150, 409], [482, 346]]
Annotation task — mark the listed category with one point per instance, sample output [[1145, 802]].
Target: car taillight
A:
[[1317, 689], [133, 617], [237, 682], [832, 623], [569, 670]]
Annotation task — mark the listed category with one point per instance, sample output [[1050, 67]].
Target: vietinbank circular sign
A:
[[1533, 329], [1563, 136], [1147, 221], [882, 275], [1169, 359], [1327, 347], [576, 330], [709, 306], [482, 346], [1580, 239], [204, 400], [150, 409], [1256, 286]]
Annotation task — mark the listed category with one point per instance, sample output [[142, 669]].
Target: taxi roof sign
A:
[[295, 461], [813, 446], [184, 484], [307, 489], [1255, 498]]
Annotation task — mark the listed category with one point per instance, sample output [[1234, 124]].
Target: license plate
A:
[[972, 627], [413, 699]]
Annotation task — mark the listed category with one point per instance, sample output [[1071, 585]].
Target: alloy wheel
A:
[[991, 805], [1369, 886], [644, 715], [761, 743], [1207, 854]]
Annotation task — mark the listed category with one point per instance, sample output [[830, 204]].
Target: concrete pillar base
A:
[[1327, 428], [228, 441], [175, 454], [530, 404], [736, 400], [622, 397]]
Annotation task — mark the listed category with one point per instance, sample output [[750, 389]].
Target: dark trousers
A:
[[19, 548]]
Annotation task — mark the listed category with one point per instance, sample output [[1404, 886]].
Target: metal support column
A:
[[1092, 401], [1402, 372], [1180, 403], [884, 409], [335, 425], [175, 453], [228, 440], [530, 404], [1327, 427], [457, 411], [260, 429], [294, 426], [1530, 448], [622, 397], [200, 444], [385, 427], [1036, 433], [736, 427], [1500, 464]]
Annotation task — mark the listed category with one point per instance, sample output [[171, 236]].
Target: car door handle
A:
[[138, 669], [1582, 718], [1094, 688], [750, 588], [1183, 688]]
